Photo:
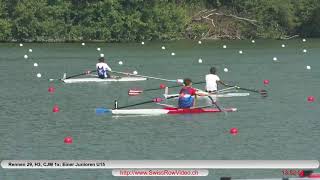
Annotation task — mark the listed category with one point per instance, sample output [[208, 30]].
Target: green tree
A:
[[5, 24], [135, 20]]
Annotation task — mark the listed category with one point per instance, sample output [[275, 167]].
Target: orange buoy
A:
[[68, 140], [266, 82], [51, 89], [311, 99], [234, 131], [55, 109], [162, 86]]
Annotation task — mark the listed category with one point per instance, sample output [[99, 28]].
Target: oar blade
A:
[[264, 93], [157, 100], [134, 92], [100, 111]]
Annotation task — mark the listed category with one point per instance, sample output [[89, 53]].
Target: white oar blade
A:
[[64, 76], [134, 92]]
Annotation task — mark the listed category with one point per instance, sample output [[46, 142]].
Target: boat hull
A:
[[198, 110], [169, 110], [87, 80]]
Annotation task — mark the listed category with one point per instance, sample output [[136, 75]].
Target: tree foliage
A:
[[135, 20]]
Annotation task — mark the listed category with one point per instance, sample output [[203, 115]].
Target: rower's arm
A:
[[108, 68], [201, 94]]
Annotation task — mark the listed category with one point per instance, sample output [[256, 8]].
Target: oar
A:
[[104, 110], [149, 77], [145, 102], [156, 100], [135, 92], [225, 89], [263, 92], [215, 103], [87, 72], [200, 82]]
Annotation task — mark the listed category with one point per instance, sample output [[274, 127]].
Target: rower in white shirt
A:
[[103, 70], [212, 81]]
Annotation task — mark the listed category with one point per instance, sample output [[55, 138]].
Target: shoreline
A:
[[173, 40]]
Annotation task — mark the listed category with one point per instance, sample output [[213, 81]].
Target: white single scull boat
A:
[[96, 79], [221, 93], [85, 80]]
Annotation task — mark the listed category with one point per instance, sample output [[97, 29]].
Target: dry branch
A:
[[290, 37], [252, 21], [218, 26]]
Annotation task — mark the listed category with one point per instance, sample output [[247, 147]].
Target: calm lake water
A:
[[282, 126]]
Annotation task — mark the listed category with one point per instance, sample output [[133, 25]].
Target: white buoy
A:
[[240, 52], [101, 55], [163, 47], [30, 50], [83, 44], [225, 69], [199, 42], [305, 51], [142, 43], [20, 44], [135, 72], [308, 67], [173, 54], [35, 64], [283, 45], [25, 56], [120, 62], [304, 40], [224, 46], [200, 60], [98, 49], [275, 58], [39, 75], [253, 41]]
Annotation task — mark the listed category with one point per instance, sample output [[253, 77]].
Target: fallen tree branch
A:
[[204, 14], [209, 12], [221, 37], [220, 25], [200, 12], [210, 19], [252, 21], [290, 37], [205, 36]]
